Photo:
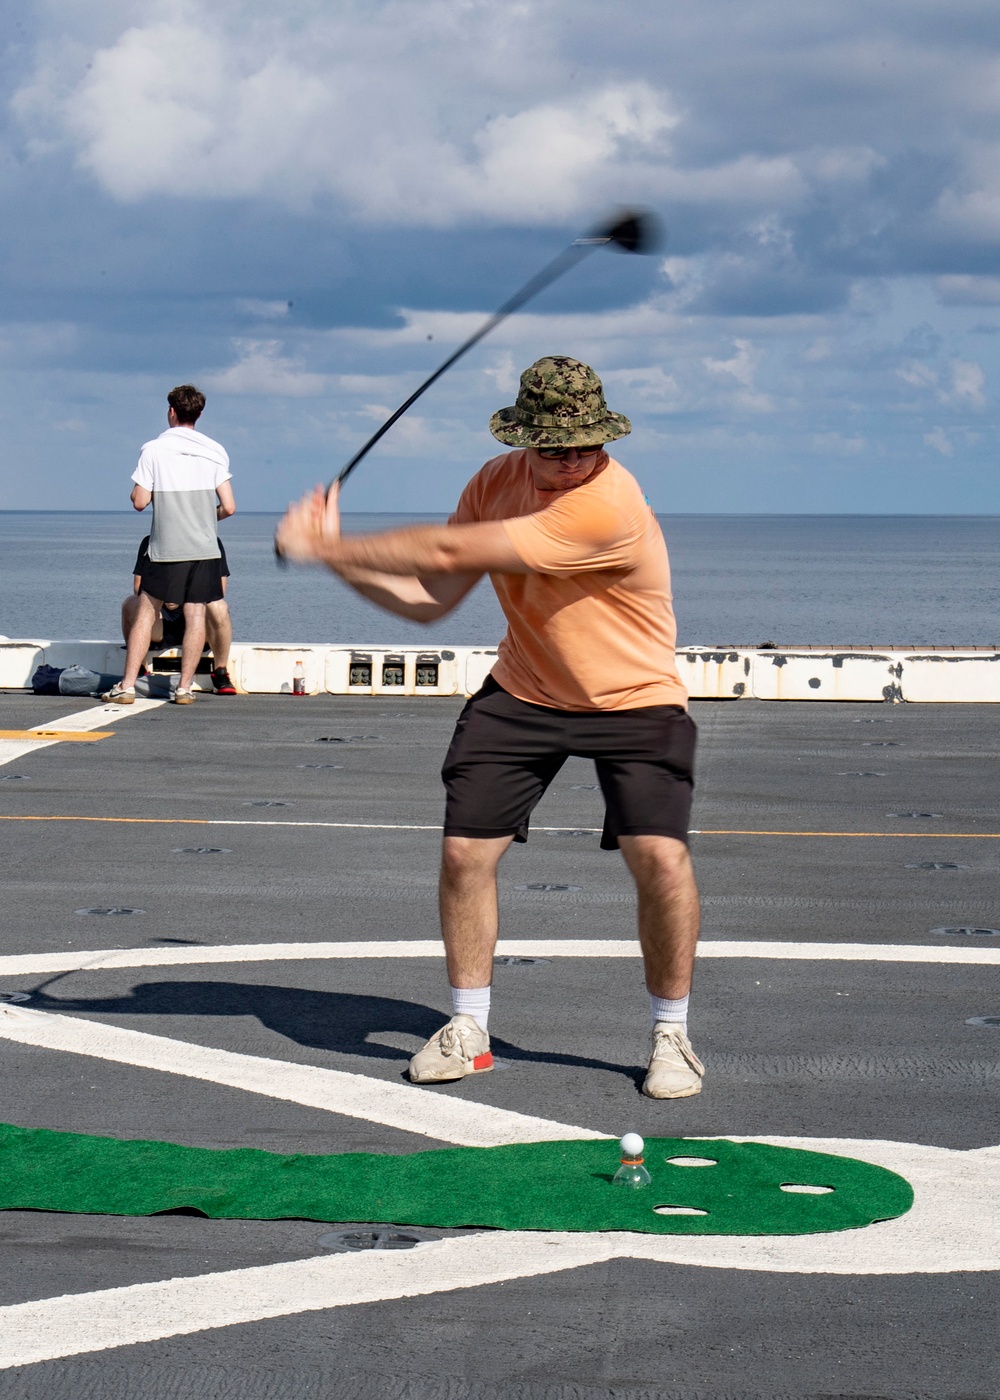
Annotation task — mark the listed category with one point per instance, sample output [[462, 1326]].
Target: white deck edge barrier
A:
[[893, 674]]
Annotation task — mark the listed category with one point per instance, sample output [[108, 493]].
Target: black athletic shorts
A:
[[188, 581], [505, 752], [174, 627]]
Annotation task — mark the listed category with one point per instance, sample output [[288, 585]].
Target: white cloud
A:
[[261, 310], [262, 371], [650, 388], [959, 289], [939, 440], [741, 366], [389, 111], [919, 374], [837, 445], [968, 382]]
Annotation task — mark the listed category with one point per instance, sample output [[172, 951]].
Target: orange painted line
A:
[[70, 736]]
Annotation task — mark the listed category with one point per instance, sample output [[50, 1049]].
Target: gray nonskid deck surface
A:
[[819, 1049]]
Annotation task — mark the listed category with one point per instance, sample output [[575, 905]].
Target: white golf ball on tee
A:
[[632, 1145]]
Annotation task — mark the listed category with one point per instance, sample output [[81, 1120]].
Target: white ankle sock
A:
[[474, 1002], [663, 1009]]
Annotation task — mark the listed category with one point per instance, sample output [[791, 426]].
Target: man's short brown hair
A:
[[187, 402]]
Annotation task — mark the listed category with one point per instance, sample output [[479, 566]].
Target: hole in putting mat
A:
[[511, 961], [14, 778], [571, 831], [860, 773], [267, 802], [113, 913], [201, 851], [991, 1021], [881, 744], [692, 1161], [15, 996], [319, 765], [678, 1210], [365, 1237], [798, 1190], [547, 889], [936, 865], [967, 932], [904, 816], [585, 787]]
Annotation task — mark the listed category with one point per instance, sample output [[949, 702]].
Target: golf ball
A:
[[632, 1145]]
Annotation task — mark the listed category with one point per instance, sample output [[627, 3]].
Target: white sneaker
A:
[[675, 1072], [457, 1049], [118, 695]]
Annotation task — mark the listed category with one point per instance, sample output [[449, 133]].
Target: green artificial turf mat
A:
[[526, 1186]]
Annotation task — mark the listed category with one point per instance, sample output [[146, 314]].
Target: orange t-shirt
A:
[[592, 626]]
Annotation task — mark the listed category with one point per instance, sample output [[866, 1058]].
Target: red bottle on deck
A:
[[299, 679]]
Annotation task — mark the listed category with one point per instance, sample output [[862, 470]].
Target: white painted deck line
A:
[[147, 1312], [97, 717], [395, 1105], [26, 964]]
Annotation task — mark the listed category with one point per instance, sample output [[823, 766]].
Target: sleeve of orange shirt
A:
[[582, 530]]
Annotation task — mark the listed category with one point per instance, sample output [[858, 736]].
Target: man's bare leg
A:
[[219, 631], [668, 911], [468, 902], [147, 611], [668, 936], [130, 609], [193, 644], [468, 893]]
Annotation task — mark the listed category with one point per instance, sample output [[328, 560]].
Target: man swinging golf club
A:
[[586, 668]]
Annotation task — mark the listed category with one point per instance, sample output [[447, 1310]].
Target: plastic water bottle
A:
[[632, 1173], [299, 679]]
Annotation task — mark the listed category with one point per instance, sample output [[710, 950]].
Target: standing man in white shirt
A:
[[186, 476]]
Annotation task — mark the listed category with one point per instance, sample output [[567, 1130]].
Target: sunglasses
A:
[[553, 454]]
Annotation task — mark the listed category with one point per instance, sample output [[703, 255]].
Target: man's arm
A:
[[227, 501], [140, 497], [310, 533], [418, 599]]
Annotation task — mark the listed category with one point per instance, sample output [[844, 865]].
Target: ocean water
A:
[[794, 580]]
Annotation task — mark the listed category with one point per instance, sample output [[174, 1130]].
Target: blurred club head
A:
[[634, 231]]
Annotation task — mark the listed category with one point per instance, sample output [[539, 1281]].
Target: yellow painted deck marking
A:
[[72, 736], [403, 826]]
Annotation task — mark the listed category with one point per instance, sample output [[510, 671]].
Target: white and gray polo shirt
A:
[[182, 468]]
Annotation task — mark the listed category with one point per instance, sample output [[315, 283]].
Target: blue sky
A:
[[304, 208]]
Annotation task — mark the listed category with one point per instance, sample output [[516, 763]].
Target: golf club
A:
[[633, 231]]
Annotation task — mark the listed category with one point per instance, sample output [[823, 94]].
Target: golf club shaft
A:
[[566, 259]]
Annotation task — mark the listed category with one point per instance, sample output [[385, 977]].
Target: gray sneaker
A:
[[118, 695], [457, 1049], [675, 1071]]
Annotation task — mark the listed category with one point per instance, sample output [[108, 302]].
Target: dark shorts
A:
[[505, 753], [173, 627], [189, 581]]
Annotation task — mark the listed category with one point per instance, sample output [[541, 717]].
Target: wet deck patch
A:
[[736, 1188]]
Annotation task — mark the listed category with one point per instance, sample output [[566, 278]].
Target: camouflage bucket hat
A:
[[560, 404]]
